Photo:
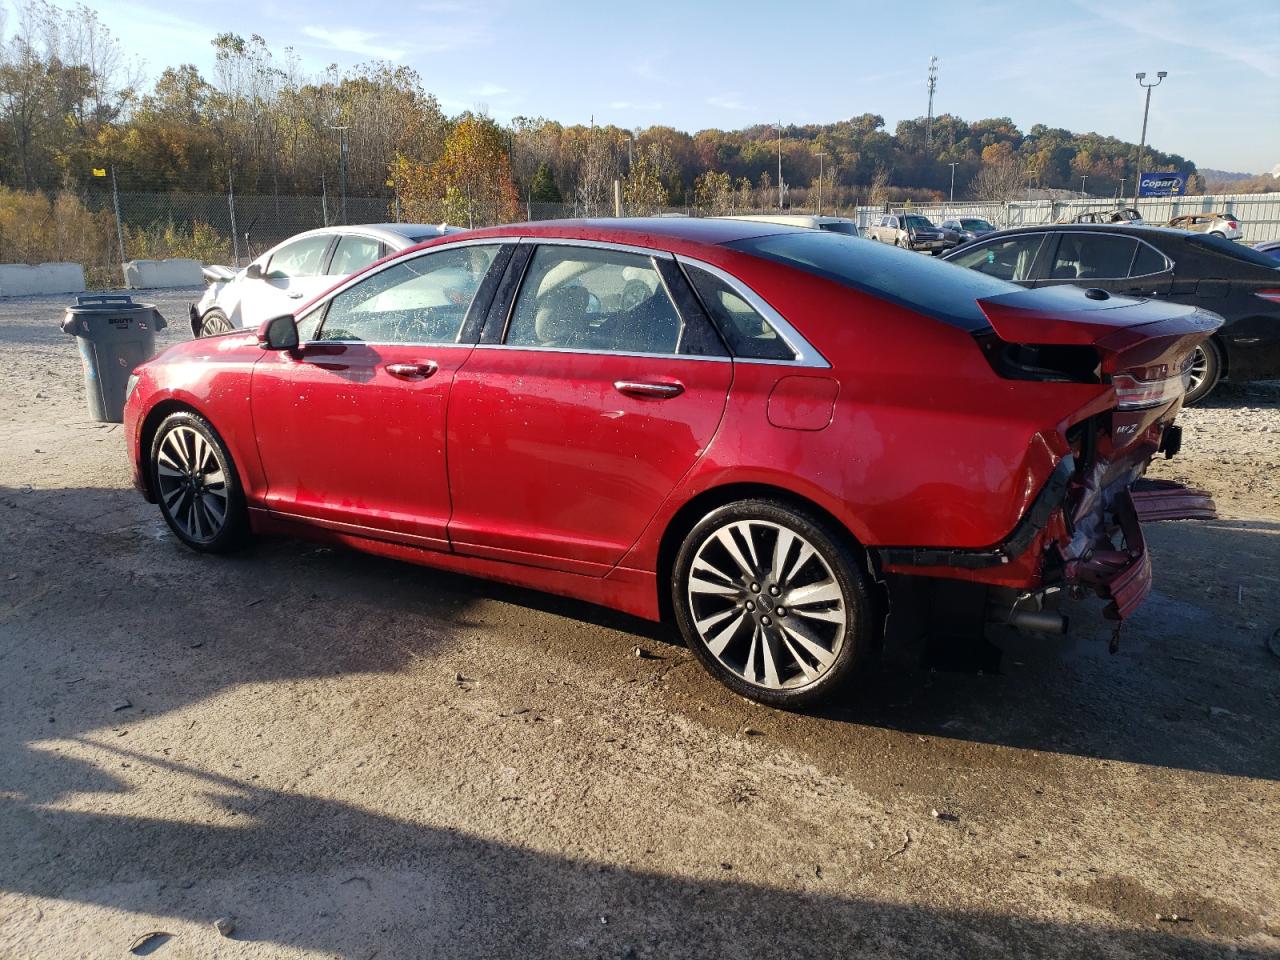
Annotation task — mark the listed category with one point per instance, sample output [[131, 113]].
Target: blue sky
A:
[[729, 64]]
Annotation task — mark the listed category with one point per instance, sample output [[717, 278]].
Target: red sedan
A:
[[758, 432]]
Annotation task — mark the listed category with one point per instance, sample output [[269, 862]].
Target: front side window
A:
[[420, 300], [1009, 259], [353, 253], [591, 299], [302, 258], [1093, 256], [749, 335]]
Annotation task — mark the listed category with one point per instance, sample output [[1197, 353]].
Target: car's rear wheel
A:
[[1204, 373], [772, 603], [215, 322], [196, 485]]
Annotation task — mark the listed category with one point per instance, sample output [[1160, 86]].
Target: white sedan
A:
[[300, 268]]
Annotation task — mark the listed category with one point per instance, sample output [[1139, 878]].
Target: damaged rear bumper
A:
[[1123, 576]]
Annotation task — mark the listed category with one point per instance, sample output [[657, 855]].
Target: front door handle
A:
[[412, 371], [296, 295], [653, 391]]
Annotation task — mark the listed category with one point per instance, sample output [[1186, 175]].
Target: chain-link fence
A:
[[98, 228]]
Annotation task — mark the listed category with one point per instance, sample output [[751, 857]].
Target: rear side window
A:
[[1149, 260], [749, 335], [941, 290], [1093, 256], [353, 253]]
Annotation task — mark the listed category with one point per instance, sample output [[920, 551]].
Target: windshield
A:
[[929, 286], [976, 225], [1230, 248], [919, 223]]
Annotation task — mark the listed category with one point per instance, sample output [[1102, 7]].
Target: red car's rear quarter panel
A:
[[927, 446]]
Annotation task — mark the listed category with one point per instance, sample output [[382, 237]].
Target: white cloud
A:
[[728, 101], [489, 90], [350, 40]]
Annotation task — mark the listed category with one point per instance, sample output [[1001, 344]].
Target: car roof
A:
[[1120, 229], [661, 233]]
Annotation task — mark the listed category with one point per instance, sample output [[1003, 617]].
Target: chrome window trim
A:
[[598, 244], [807, 355], [605, 353], [350, 282]]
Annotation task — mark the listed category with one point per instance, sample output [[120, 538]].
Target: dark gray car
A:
[[1232, 280], [962, 230]]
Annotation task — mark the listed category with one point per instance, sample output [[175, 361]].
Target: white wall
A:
[[24, 280]]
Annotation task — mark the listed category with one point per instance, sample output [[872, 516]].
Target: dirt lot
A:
[[355, 758]]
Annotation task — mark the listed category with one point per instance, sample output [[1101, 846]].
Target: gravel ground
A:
[[355, 758]]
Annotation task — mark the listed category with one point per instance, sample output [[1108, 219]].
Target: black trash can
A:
[[114, 335]]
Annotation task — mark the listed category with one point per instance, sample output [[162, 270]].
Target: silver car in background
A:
[[291, 273]]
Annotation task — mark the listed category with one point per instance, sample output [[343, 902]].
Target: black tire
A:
[[192, 481], [215, 322], [1208, 356], [759, 644]]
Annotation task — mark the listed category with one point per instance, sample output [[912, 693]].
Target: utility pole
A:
[[631, 158], [1142, 145], [1082, 180], [115, 202], [953, 180], [342, 168], [1120, 192], [231, 207], [779, 164], [933, 85], [819, 183]]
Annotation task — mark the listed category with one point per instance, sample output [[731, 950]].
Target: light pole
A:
[[342, 168], [953, 180], [631, 158], [1142, 144], [1120, 192], [820, 183], [1082, 180], [779, 164]]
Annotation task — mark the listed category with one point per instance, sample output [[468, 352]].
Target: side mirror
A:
[[279, 333], [253, 271]]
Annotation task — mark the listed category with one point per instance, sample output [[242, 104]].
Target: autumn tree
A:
[[470, 185], [713, 192], [596, 172], [643, 192]]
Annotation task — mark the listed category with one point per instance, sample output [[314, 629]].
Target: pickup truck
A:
[[911, 231]]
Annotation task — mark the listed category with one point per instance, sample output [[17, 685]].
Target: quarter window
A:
[[353, 253], [302, 258], [421, 300], [749, 335], [1148, 261], [585, 298], [1093, 256], [1009, 259]]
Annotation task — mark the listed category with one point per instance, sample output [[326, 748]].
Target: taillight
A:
[[1135, 394], [1272, 295], [1233, 225]]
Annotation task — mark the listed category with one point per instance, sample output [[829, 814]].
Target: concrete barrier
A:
[[150, 274], [24, 280]]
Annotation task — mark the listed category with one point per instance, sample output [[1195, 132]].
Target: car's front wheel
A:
[[196, 485], [1204, 373], [215, 322], [772, 603]]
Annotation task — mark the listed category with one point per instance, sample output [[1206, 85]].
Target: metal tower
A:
[[933, 85]]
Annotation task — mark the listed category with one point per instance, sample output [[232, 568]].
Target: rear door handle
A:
[[655, 391], [297, 295], [412, 371]]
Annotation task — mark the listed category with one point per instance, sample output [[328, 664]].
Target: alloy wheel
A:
[[192, 483], [1198, 370], [767, 605]]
